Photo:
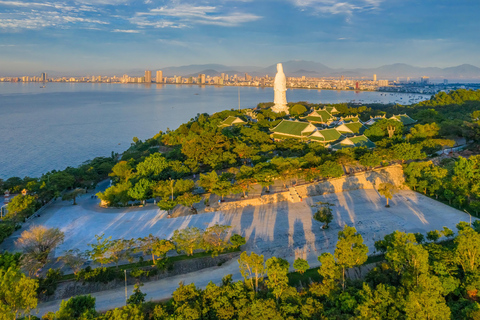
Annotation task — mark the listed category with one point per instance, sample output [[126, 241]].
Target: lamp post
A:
[[125, 287]]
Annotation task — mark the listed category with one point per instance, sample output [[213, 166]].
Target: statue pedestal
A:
[[280, 108]]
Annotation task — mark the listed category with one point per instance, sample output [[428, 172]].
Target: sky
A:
[[99, 36]]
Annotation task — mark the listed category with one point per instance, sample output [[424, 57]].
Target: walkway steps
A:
[[293, 196]]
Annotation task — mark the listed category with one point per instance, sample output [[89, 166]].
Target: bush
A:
[[75, 307], [237, 240], [48, 285], [6, 229], [103, 275]]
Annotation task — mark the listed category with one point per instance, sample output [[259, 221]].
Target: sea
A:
[[66, 124]]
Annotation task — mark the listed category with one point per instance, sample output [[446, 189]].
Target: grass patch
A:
[[294, 278]]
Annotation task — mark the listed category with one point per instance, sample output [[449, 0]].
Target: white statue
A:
[[280, 89]]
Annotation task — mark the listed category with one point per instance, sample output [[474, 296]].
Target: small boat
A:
[[42, 87]]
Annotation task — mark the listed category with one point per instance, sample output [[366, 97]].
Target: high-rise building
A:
[[445, 81], [342, 78], [424, 80], [148, 76], [44, 77], [201, 78], [159, 78], [374, 77]]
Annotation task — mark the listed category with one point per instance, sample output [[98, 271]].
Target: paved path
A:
[[283, 229]]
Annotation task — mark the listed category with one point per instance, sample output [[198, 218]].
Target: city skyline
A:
[[110, 35]]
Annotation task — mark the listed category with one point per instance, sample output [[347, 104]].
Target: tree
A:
[[161, 248], [330, 272], [331, 169], [433, 235], [350, 250], [208, 181], [370, 160], [237, 240], [406, 151], [74, 259], [72, 195], [324, 214], [188, 199], [467, 253], [446, 232], [381, 303], [215, 238], [407, 258], [188, 239], [426, 300], [266, 177], [277, 271], [475, 205], [152, 166], [37, 243], [387, 190], [379, 129], [99, 249], [297, 110], [21, 207], [141, 190], [117, 194], [252, 269], [301, 265], [18, 294], [167, 205], [449, 195], [76, 307], [122, 170], [119, 249], [138, 297]]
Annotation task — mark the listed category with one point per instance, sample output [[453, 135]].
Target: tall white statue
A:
[[280, 89]]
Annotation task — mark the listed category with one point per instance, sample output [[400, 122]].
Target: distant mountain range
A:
[[297, 68]]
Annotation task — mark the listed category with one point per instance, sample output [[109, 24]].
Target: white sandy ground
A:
[[279, 230]]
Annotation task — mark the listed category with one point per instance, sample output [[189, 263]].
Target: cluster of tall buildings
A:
[[422, 85]]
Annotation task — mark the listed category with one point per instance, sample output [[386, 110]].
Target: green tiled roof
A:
[[230, 121], [356, 127], [330, 134], [293, 128], [281, 136], [355, 119], [358, 141], [325, 115], [319, 116], [331, 109], [319, 139], [314, 119], [362, 141], [405, 119]]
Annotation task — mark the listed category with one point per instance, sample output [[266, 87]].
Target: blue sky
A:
[[79, 36]]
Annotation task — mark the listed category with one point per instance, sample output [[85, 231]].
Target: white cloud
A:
[[187, 14], [347, 7], [36, 15], [126, 31]]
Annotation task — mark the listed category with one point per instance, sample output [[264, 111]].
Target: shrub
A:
[[48, 285], [104, 275]]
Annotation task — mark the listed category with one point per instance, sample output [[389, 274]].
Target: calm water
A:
[[65, 124]]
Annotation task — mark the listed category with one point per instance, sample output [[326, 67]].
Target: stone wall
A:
[[360, 180], [72, 288]]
